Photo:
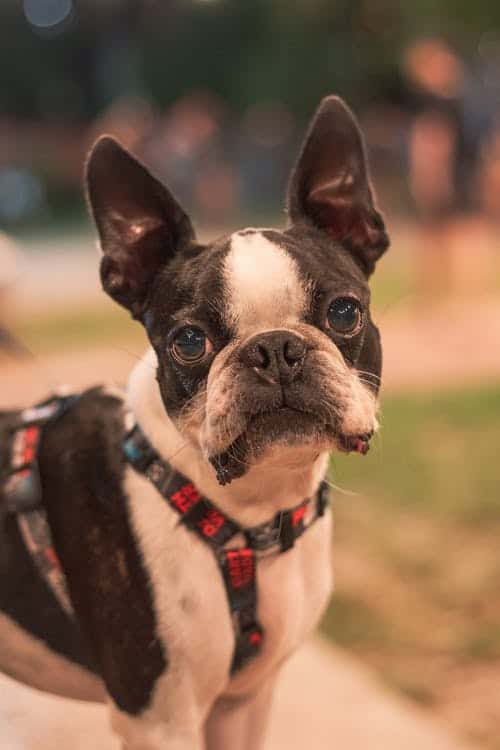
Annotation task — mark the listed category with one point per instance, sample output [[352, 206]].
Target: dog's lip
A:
[[346, 443], [232, 463], [354, 443]]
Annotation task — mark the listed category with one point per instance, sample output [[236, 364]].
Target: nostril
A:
[[294, 350], [262, 358]]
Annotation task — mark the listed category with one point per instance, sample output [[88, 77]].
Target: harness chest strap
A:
[[238, 565]]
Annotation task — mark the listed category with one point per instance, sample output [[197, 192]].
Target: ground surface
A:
[[325, 701]]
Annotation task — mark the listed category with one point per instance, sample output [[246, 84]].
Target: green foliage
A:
[[246, 52], [437, 455]]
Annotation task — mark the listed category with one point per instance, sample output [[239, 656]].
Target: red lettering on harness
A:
[[30, 443], [185, 498], [211, 523], [298, 514], [255, 638], [24, 446], [241, 567]]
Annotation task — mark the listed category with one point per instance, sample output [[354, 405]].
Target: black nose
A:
[[275, 356]]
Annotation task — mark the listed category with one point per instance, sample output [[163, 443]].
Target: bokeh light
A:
[[44, 14], [21, 193]]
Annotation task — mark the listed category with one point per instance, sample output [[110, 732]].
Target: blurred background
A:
[[214, 96]]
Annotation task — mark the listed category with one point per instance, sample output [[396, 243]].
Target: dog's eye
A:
[[344, 315], [190, 345]]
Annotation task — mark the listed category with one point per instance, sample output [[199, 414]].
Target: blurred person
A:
[[440, 164], [489, 176]]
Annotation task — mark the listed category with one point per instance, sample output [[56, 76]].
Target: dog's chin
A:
[[286, 433]]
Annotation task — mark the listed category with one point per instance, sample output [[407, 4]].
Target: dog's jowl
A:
[[168, 549]]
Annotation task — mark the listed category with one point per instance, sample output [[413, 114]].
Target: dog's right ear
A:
[[141, 226]]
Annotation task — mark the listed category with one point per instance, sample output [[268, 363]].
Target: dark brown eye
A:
[[344, 315], [190, 345]]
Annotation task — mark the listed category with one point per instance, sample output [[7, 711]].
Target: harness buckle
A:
[[138, 451], [22, 490]]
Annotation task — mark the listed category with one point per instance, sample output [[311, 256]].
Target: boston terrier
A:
[[167, 550]]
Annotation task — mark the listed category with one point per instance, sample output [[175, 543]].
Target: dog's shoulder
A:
[[82, 470], [88, 434]]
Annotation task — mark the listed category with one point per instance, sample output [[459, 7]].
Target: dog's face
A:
[[263, 338]]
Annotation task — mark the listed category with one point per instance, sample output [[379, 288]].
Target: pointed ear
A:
[[140, 224], [330, 185]]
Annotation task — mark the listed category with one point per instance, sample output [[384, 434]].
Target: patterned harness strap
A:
[[237, 564], [23, 493]]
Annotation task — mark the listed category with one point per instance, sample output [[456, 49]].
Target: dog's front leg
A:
[[240, 723]]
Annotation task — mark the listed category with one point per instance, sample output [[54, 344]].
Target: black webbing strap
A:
[[22, 491], [238, 565], [240, 579]]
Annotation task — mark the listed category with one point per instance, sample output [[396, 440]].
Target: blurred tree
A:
[[244, 51]]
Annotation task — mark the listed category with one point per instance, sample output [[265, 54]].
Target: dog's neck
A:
[[279, 483]]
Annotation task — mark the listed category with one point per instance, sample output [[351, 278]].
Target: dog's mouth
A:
[[284, 426]]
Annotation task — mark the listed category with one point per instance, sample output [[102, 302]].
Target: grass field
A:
[[416, 555]]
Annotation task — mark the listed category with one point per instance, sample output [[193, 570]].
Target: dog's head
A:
[[264, 338]]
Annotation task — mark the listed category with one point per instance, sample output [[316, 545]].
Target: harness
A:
[[22, 491], [237, 561]]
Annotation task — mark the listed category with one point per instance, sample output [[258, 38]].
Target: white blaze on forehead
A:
[[263, 284]]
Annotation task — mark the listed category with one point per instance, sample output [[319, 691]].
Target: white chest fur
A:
[[193, 618]]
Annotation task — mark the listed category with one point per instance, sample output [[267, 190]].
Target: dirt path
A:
[[324, 700], [452, 344]]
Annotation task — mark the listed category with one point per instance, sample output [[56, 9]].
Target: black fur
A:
[[81, 469], [140, 224]]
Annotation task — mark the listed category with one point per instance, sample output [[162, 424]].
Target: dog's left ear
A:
[[330, 185], [141, 226]]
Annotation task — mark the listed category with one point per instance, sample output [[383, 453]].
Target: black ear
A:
[[330, 185], [140, 224]]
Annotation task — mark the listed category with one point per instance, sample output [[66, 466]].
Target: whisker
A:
[[175, 453], [342, 490], [133, 355], [369, 374]]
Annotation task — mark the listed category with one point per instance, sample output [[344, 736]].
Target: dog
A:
[[187, 536]]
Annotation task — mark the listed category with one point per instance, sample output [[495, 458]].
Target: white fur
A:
[[263, 284]]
